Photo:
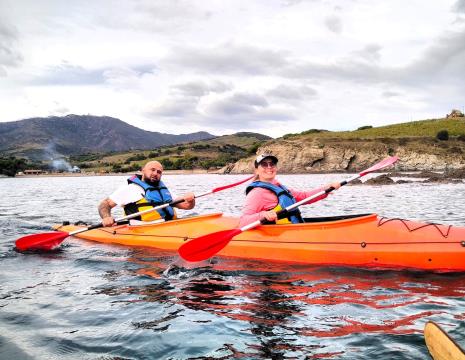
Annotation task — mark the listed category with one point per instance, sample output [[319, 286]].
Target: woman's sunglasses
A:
[[266, 164]]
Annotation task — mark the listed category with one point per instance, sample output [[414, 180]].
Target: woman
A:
[[266, 196]]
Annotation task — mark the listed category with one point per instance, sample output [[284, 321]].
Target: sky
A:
[[267, 66]]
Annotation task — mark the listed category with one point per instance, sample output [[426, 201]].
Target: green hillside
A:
[[415, 129], [206, 154]]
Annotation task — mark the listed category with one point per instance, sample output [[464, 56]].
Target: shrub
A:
[[365, 127], [442, 135]]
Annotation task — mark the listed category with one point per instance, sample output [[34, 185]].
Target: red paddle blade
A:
[[206, 246], [382, 164], [231, 185], [45, 241]]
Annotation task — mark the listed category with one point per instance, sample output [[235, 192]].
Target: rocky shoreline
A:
[[456, 176]]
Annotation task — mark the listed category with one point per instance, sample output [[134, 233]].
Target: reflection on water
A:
[[99, 301]]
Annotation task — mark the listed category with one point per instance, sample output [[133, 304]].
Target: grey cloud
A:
[[175, 107], [228, 58], [347, 69], [442, 62], [199, 88], [390, 94], [370, 53], [9, 55], [240, 103], [334, 24], [287, 92], [459, 6]]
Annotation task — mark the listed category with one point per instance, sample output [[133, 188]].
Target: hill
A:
[[413, 129], [416, 143], [205, 154], [45, 138]]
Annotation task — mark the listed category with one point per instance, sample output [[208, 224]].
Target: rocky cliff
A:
[[319, 155]]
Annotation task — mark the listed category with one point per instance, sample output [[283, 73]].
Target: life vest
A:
[[285, 199], [154, 196]]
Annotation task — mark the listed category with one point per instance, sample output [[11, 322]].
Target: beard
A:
[[151, 183]]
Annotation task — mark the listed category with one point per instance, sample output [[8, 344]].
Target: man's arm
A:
[[104, 210]]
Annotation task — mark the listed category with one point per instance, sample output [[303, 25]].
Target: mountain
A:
[[45, 138]]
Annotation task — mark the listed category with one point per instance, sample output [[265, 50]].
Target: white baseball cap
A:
[[263, 156]]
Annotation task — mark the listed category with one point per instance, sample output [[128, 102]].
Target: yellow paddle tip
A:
[[440, 345]]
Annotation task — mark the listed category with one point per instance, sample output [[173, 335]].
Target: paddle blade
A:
[[440, 345], [206, 246], [382, 164], [45, 241]]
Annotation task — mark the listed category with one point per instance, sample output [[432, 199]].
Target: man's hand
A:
[[104, 210], [108, 221], [189, 197]]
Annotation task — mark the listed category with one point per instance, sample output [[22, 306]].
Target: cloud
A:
[[291, 92], [156, 17], [174, 107], [200, 88], [370, 53], [76, 75], [390, 94], [334, 24], [228, 58], [9, 55], [239, 103], [459, 6], [441, 63]]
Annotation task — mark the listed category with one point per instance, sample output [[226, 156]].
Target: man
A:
[[142, 193]]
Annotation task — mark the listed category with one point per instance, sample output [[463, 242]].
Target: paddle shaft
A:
[[173, 203], [132, 216], [208, 245], [301, 202]]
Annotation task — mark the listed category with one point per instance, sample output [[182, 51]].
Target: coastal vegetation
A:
[[413, 129], [10, 165]]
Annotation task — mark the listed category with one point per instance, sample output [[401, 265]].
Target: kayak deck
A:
[[354, 240]]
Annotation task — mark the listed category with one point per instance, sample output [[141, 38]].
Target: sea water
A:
[[95, 301]]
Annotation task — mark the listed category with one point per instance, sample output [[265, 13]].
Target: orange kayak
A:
[[354, 240]]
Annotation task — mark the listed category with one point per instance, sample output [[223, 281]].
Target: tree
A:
[[442, 135]]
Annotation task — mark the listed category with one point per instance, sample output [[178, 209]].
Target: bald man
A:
[[142, 193]]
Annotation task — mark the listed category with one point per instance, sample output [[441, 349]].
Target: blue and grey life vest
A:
[[153, 196], [285, 199]]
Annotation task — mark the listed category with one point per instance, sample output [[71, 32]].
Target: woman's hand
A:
[[270, 215], [334, 185]]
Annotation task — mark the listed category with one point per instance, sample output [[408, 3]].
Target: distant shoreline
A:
[[165, 172]]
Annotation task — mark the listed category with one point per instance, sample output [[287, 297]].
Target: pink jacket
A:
[[260, 200]]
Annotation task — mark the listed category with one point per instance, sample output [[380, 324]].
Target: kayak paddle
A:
[[50, 240], [206, 246], [440, 345]]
